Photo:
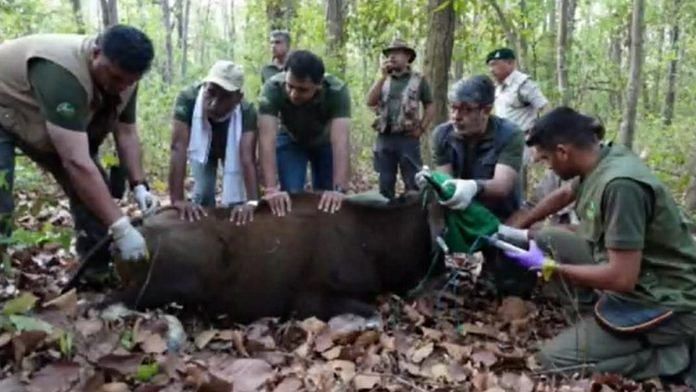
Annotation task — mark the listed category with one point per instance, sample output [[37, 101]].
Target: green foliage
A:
[[48, 234], [146, 372], [20, 305]]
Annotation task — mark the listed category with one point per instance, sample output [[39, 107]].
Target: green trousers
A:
[[665, 350]]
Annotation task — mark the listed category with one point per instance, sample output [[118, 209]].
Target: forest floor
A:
[[456, 339]]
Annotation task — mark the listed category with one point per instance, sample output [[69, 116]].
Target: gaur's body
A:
[[307, 263]]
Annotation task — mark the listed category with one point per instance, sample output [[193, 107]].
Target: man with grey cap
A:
[[280, 47], [483, 153], [397, 97], [214, 123]]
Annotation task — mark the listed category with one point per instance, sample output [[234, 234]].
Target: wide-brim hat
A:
[[399, 44]]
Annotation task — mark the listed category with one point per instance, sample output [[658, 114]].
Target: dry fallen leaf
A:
[[289, 384], [56, 377], [88, 327], [154, 344], [204, 338], [344, 369], [246, 374], [122, 364], [457, 352], [485, 357], [422, 352], [363, 382], [67, 303], [512, 308], [114, 387]]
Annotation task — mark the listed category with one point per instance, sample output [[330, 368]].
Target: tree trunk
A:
[[185, 16], [109, 10], [562, 46], [231, 32], [522, 45], [203, 39], [628, 123], [672, 69], [438, 56], [280, 13], [167, 71], [552, 33], [615, 60], [79, 19], [511, 36], [657, 74], [336, 11]]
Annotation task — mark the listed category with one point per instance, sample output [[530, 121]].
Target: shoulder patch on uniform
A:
[[66, 110]]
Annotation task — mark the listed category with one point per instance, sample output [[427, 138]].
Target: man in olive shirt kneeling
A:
[[314, 109], [632, 245], [213, 123]]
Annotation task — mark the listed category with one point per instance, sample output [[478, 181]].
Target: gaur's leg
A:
[[7, 168], [321, 160], [204, 175], [385, 162], [291, 160], [410, 161], [662, 351]]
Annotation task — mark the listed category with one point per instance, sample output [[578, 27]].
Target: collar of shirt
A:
[[511, 79], [402, 75]]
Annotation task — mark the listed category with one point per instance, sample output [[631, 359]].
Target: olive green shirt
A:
[[396, 90], [62, 99], [308, 124], [183, 111], [510, 155], [268, 71], [627, 206]]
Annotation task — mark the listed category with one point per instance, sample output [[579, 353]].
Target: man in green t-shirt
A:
[[397, 98], [213, 123], [632, 245], [280, 47], [60, 96], [314, 109], [483, 152]]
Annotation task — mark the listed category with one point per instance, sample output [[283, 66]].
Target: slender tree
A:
[[335, 28], [79, 19], [167, 67], [109, 9], [562, 47], [628, 122], [672, 69], [438, 55]]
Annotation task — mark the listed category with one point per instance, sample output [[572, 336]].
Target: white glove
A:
[[464, 192], [421, 181], [129, 243], [513, 234], [147, 202]]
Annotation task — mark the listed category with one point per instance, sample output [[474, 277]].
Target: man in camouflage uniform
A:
[[397, 97], [632, 245]]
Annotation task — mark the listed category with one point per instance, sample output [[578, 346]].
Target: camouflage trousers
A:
[[665, 350]]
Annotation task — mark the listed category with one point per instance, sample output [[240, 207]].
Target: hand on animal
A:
[[278, 201], [130, 244], [534, 259], [421, 181], [189, 211], [464, 193], [147, 202], [331, 201], [243, 213]]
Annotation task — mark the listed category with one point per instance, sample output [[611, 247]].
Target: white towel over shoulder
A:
[[233, 189]]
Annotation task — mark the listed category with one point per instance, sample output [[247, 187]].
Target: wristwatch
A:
[[479, 186], [339, 189]]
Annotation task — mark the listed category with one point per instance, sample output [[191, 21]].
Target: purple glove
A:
[[532, 259]]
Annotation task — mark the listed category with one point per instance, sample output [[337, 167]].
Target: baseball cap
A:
[[227, 75]]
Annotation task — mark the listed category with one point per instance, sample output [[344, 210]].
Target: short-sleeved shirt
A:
[[269, 70], [510, 155], [183, 111], [397, 85], [628, 206], [308, 124], [519, 99], [62, 99]]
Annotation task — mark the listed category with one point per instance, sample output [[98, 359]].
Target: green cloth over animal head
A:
[[464, 229]]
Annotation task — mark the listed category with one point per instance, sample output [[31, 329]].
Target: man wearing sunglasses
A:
[[483, 153]]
